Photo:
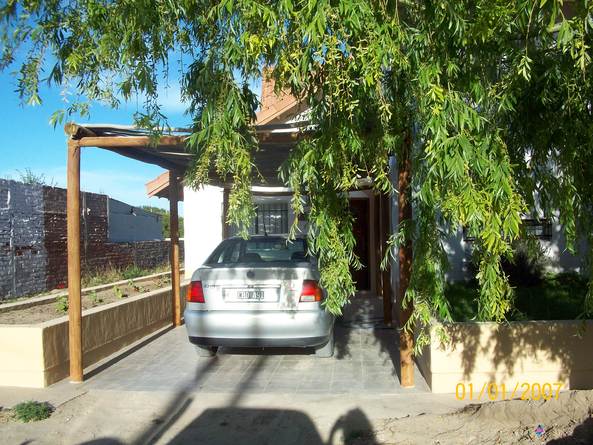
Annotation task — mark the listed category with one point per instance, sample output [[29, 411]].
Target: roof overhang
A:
[[170, 150], [159, 187]]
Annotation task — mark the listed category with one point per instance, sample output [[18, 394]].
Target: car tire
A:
[[206, 351], [327, 350]]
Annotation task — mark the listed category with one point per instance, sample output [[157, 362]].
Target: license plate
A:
[[257, 295], [247, 295]]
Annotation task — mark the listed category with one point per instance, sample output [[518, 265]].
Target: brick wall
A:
[[22, 251], [33, 242]]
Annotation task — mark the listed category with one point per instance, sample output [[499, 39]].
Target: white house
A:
[[375, 218]]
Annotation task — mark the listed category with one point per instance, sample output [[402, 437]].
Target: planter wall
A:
[[517, 352], [37, 355]]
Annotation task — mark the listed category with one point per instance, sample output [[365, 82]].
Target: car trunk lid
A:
[[253, 288]]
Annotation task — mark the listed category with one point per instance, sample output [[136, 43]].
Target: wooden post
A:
[[377, 244], [386, 274], [73, 231], [406, 340], [225, 210], [174, 228]]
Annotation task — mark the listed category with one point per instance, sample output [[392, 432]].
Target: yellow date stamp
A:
[[500, 391]]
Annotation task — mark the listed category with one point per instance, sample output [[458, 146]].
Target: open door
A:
[[361, 229]]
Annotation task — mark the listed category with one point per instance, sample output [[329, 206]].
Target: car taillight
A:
[[195, 293], [311, 292]]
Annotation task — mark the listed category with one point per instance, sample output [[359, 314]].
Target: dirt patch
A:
[[6, 416], [56, 309], [108, 417], [565, 421]]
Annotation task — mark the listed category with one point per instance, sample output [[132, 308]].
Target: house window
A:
[[270, 218], [534, 228], [538, 228]]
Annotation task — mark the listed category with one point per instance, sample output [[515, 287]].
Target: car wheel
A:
[[327, 350], [206, 351]]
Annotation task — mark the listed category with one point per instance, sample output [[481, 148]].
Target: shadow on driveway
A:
[[247, 426]]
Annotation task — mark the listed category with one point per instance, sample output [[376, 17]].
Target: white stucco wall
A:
[[459, 251], [203, 224], [559, 259]]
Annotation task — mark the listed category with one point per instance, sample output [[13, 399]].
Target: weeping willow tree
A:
[[490, 101]]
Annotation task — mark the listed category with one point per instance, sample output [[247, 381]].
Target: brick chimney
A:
[[268, 97], [273, 106]]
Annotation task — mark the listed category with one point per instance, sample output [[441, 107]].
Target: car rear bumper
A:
[[259, 342], [259, 328]]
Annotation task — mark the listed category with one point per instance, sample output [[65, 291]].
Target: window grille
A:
[[538, 228], [534, 228], [270, 218]]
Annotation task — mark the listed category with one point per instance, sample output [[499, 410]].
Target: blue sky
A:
[[27, 140]]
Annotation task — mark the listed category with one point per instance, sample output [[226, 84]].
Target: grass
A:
[[556, 297], [111, 274], [32, 411]]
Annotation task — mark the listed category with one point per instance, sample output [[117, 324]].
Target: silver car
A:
[[259, 292]]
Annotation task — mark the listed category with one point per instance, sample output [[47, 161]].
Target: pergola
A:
[[170, 152]]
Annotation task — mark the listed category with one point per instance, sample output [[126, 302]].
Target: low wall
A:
[[516, 352], [37, 355]]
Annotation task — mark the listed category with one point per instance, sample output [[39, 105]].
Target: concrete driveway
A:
[[162, 392], [364, 362]]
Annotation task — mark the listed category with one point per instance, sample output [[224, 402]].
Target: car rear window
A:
[[260, 250]]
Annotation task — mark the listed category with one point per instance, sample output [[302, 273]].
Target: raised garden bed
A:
[[542, 343], [510, 354], [34, 344], [55, 305]]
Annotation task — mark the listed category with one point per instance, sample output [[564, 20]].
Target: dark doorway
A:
[[360, 228]]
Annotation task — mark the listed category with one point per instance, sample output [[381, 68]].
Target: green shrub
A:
[[133, 272], [556, 297], [463, 300], [528, 264], [32, 411], [62, 304], [95, 298], [135, 286], [119, 293]]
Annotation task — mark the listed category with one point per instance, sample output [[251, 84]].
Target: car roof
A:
[[272, 235]]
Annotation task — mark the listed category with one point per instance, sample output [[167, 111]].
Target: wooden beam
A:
[[406, 340], [75, 131], [386, 274], [271, 137], [174, 228], [73, 232], [132, 141]]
